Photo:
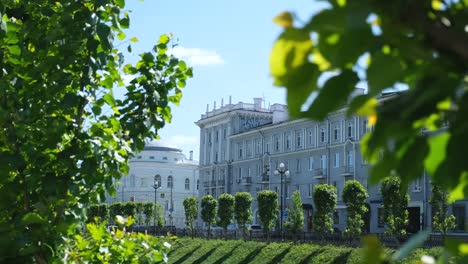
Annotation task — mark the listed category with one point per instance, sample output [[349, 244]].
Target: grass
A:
[[198, 251]]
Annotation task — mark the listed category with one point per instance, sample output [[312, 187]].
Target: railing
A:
[[347, 170], [320, 172], [266, 179], [247, 180]]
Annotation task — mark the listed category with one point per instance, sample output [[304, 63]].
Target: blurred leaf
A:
[[437, 146], [416, 241], [380, 63], [373, 252], [284, 19], [32, 218]]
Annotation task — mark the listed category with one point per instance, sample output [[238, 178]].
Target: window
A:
[[380, 218], [350, 130], [151, 157], [298, 165], [142, 182], [310, 138], [249, 149], [350, 160], [139, 157], [164, 158], [157, 179], [239, 147], [459, 213], [198, 184], [217, 136], [267, 147], [335, 134], [298, 139], [187, 184], [277, 144], [311, 189], [286, 191], [287, 141], [417, 185], [224, 133], [365, 129], [240, 175], [322, 135], [209, 138], [249, 173], [169, 181], [132, 180], [323, 161], [337, 159], [311, 163], [216, 156], [259, 170], [258, 146]]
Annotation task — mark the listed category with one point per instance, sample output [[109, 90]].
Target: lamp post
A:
[[282, 171], [156, 187]]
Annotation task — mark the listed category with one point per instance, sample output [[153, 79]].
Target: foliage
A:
[[441, 220], [225, 210], [103, 212], [191, 212], [267, 208], [99, 245], [64, 134], [325, 199], [116, 209], [208, 211], [139, 212], [148, 211], [243, 209], [130, 209], [296, 214], [355, 197], [159, 215], [237, 251], [99, 211], [394, 204]]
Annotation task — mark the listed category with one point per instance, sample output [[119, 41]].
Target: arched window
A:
[[187, 184], [198, 184], [169, 182], [157, 180]]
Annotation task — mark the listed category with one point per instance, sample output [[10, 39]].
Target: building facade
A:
[[242, 144], [175, 175]]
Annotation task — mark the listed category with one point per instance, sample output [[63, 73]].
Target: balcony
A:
[[206, 184], [246, 181], [347, 170], [265, 179], [320, 173]]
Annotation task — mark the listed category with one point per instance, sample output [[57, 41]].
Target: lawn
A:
[[186, 250]]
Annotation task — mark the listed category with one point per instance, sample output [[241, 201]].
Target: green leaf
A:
[[437, 146], [32, 218], [333, 94], [164, 39], [373, 252], [120, 3], [380, 63], [414, 242]]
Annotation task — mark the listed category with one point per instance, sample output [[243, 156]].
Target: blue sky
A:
[[226, 42]]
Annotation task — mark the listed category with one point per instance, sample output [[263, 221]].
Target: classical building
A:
[[242, 144], [175, 175]]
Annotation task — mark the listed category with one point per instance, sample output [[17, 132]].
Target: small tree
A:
[[395, 206], [139, 212], [296, 214], [159, 215], [243, 209], [225, 210], [325, 198], [191, 212], [441, 221], [129, 209], [267, 209], [208, 211], [148, 210], [354, 196], [115, 209]]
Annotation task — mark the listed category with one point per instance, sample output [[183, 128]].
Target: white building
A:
[[175, 175]]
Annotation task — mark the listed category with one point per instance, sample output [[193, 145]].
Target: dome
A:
[[160, 145]]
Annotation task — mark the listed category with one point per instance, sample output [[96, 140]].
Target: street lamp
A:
[[156, 187], [282, 171]]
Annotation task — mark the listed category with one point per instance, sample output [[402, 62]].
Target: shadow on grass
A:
[[280, 256], [342, 258], [186, 256], [226, 256], [204, 257], [252, 255], [311, 255]]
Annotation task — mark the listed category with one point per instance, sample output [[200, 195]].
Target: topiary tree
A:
[[191, 212], [116, 209], [129, 209], [441, 220], [139, 212], [295, 222], [267, 209], [355, 197], [208, 211], [395, 206], [225, 210], [325, 199], [159, 215], [148, 211], [243, 209]]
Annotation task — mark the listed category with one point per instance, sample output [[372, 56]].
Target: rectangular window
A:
[[380, 218], [267, 147], [310, 138], [337, 159], [459, 213], [311, 189], [216, 156], [287, 143], [350, 159], [335, 134], [277, 143], [258, 146], [217, 136], [259, 170], [240, 175], [224, 133], [249, 173], [323, 161], [322, 135], [311, 163], [239, 147], [298, 165], [298, 139], [417, 185], [209, 138], [350, 130], [249, 149]]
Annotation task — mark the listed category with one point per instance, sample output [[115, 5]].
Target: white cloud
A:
[[199, 57]]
